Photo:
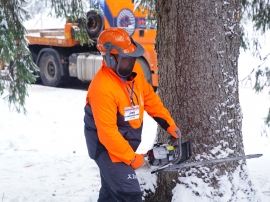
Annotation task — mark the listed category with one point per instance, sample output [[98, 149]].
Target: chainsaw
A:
[[173, 155]]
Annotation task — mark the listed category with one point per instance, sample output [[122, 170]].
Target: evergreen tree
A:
[[16, 65], [258, 12], [198, 83], [15, 57], [197, 58]]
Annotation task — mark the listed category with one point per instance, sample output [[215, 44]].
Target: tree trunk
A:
[[198, 45]]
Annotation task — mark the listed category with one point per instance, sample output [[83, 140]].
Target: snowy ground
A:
[[44, 157]]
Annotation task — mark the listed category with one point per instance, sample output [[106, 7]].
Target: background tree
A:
[[16, 61], [198, 48], [258, 12], [14, 53]]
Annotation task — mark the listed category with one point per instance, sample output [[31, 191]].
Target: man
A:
[[115, 104]]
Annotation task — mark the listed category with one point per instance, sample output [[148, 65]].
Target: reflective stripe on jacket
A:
[[108, 96]]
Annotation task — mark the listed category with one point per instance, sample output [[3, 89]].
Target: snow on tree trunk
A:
[[198, 45]]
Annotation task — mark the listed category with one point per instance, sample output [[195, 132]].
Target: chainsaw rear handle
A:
[[177, 143]]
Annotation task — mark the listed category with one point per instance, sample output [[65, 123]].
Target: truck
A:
[[60, 57]]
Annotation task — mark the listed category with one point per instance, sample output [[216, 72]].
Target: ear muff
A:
[[110, 60], [113, 62]]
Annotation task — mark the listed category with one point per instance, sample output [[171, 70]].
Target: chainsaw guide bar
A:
[[173, 157]]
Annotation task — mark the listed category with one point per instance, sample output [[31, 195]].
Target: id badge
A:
[[132, 113]]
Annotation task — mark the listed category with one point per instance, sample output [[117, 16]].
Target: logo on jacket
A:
[[131, 177], [126, 20]]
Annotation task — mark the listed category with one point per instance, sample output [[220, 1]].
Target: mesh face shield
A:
[[126, 61], [125, 66]]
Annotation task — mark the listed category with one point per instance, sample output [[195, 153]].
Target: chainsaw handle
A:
[[178, 143]]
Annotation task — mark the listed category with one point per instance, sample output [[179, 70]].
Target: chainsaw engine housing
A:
[[162, 154]]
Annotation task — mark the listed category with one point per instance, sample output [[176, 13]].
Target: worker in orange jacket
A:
[[115, 104]]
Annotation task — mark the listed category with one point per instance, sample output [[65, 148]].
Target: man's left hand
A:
[[174, 131]]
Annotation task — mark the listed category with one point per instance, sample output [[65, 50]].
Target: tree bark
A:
[[198, 45]]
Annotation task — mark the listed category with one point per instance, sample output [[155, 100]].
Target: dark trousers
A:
[[118, 181]]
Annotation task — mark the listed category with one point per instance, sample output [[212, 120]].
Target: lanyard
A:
[[130, 93]]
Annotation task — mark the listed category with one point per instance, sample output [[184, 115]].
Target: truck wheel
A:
[[95, 24], [50, 72], [146, 70]]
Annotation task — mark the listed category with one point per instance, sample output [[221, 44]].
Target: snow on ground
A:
[[44, 157]]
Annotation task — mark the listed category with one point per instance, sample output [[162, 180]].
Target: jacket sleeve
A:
[[155, 108], [105, 111]]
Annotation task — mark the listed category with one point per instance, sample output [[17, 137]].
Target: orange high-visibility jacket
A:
[[107, 98]]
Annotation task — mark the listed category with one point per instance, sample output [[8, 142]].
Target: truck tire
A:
[[50, 69], [146, 70], [95, 24]]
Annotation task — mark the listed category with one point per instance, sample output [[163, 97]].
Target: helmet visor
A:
[[138, 52]]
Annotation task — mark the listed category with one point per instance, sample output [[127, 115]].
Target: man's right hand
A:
[[138, 161]]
